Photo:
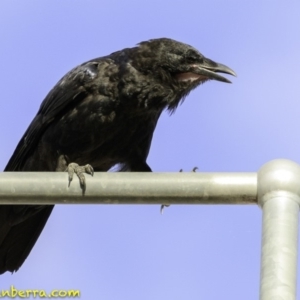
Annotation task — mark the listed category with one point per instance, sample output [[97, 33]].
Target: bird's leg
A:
[[139, 166], [72, 168], [167, 205]]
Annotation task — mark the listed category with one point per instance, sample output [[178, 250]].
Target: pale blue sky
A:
[[132, 252]]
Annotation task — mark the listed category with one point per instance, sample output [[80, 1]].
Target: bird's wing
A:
[[20, 226], [68, 92]]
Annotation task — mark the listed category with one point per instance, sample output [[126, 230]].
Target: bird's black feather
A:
[[103, 113]]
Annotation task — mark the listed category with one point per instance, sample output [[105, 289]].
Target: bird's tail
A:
[[17, 239]]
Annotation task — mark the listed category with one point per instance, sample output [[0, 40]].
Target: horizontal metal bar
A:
[[129, 188]]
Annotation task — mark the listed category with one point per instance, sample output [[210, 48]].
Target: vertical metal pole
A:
[[279, 197]]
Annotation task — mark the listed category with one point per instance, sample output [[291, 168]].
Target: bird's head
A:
[[180, 65]]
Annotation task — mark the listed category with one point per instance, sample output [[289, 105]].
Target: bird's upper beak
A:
[[206, 70]]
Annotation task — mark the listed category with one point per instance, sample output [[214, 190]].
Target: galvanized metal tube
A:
[[276, 188], [278, 194], [129, 188]]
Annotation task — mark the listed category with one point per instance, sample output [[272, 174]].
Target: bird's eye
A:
[[192, 57]]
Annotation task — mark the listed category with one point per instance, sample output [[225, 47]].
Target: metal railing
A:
[[276, 188]]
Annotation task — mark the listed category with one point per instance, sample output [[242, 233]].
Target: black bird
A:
[[101, 113]]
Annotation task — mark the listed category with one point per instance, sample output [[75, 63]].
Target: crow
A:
[[102, 113]]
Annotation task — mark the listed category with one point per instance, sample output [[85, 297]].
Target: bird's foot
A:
[[79, 171], [167, 205], [162, 208]]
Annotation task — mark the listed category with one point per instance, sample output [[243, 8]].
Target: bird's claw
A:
[[79, 171], [167, 205], [162, 208], [193, 170]]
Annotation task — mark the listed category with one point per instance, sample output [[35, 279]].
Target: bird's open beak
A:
[[209, 69]]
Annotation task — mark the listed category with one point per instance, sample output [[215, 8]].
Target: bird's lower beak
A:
[[210, 69]]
